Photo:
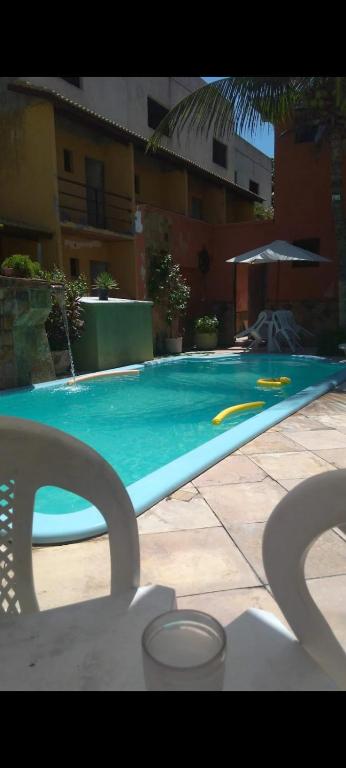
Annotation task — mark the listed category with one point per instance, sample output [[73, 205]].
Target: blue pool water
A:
[[142, 422]]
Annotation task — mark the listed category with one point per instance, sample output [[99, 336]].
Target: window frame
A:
[[161, 106], [252, 181], [225, 148], [68, 153]]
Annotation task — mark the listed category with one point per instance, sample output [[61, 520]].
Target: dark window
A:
[[137, 185], [74, 267], [196, 208], [156, 113], [254, 186], [219, 153], [68, 161], [236, 177], [313, 245], [305, 133], [73, 81]]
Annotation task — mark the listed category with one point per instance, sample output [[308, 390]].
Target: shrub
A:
[[73, 290], [23, 265], [206, 324], [168, 288], [105, 281]]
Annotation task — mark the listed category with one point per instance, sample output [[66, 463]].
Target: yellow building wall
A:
[[118, 168], [119, 256], [237, 209], [28, 183], [173, 188], [212, 196]]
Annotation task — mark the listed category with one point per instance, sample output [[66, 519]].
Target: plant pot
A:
[[174, 346], [103, 294], [206, 340], [61, 360], [7, 271]]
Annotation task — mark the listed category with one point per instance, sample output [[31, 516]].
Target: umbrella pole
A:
[[235, 299], [277, 283]]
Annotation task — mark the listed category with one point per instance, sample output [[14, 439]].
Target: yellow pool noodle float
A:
[[274, 382], [234, 409], [101, 375]]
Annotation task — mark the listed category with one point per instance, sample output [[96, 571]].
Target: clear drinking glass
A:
[[184, 651]]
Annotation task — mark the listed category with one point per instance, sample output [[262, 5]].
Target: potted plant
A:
[[20, 265], [169, 289], [105, 283], [206, 332], [72, 291]]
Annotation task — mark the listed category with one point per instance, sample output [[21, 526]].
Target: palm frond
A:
[[233, 104]]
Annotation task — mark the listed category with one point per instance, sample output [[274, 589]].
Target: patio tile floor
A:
[[205, 540]]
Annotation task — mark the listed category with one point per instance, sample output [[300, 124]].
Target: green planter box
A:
[[116, 332]]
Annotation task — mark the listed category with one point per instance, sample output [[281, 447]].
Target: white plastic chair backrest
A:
[[33, 455], [310, 509]]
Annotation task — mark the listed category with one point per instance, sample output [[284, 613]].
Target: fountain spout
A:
[[58, 290]]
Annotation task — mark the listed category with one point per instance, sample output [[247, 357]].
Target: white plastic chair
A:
[[260, 331], [31, 456], [263, 654]]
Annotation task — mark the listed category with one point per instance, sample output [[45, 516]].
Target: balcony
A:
[[87, 206]]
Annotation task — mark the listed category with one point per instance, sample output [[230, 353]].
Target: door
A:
[[94, 176], [257, 282]]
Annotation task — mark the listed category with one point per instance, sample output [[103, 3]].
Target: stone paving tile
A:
[[194, 561], [319, 438], [244, 502], [287, 466], [329, 595], [335, 456], [270, 442], [183, 495], [174, 515], [226, 606], [333, 421], [297, 422], [289, 484], [327, 557], [234, 469], [71, 573]]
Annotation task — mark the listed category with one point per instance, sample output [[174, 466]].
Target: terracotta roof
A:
[[64, 103]]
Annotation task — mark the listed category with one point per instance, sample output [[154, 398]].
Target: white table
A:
[[96, 646], [91, 646]]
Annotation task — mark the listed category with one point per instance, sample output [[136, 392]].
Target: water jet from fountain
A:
[[59, 293]]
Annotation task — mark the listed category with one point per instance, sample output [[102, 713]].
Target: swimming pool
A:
[[155, 428]]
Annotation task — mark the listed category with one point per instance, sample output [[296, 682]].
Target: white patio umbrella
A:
[[278, 250]]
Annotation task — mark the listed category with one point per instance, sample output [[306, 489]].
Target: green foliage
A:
[[237, 104], [23, 265], [263, 213], [206, 324], [328, 341], [73, 290], [168, 288], [105, 281]]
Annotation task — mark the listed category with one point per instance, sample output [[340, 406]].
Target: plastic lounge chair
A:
[[263, 653], [259, 331], [284, 332], [33, 455], [288, 320]]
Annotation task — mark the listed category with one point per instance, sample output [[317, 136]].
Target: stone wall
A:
[[25, 356], [316, 316]]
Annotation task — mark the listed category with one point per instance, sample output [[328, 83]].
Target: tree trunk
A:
[[339, 211]]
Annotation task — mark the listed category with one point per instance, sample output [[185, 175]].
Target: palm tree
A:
[[235, 104]]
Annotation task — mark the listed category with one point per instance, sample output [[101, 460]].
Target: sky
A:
[[263, 139]]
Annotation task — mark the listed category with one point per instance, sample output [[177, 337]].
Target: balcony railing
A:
[[82, 204]]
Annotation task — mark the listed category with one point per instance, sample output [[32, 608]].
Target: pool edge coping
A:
[[157, 485]]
